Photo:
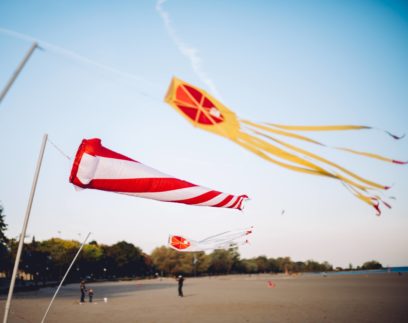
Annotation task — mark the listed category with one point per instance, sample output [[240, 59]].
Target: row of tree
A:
[[48, 260]]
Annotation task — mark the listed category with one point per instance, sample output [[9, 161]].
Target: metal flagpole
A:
[[66, 274], [17, 71], [24, 229]]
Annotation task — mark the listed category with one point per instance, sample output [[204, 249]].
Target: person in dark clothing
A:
[[180, 280], [82, 288]]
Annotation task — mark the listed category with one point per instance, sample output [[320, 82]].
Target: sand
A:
[[241, 298]]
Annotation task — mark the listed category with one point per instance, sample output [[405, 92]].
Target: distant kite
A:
[[222, 240], [207, 113], [97, 167]]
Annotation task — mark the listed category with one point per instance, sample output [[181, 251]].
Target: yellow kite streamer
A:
[[207, 113]]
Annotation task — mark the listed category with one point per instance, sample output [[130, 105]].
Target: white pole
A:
[[18, 70], [24, 229], [66, 274]]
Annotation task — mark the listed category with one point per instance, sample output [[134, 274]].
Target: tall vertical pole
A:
[[18, 70], [63, 278], [23, 231]]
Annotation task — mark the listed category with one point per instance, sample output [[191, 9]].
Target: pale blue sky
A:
[[289, 62]]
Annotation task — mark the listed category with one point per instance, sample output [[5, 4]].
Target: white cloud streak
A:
[[190, 52]]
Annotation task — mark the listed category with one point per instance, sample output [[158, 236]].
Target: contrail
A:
[[190, 52]]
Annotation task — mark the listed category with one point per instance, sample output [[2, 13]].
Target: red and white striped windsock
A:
[[97, 167]]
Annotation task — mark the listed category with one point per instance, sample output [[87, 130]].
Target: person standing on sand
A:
[[82, 289], [90, 294], [180, 280]]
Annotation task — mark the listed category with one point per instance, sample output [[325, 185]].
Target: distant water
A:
[[371, 271]]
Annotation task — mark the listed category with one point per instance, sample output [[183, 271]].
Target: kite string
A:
[[73, 55], [59, 149]]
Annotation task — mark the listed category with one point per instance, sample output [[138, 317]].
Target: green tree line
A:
[[48, 260]]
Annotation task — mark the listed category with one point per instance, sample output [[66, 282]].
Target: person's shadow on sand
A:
[[188, 295]]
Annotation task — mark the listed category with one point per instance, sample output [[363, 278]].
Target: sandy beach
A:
[[256, 298]]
